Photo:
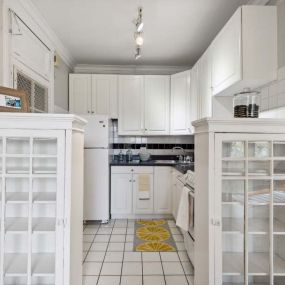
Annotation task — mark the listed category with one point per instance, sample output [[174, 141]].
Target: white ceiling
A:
[[101, 31]]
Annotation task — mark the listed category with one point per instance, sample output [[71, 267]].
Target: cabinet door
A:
[[104, 95], [194, 92], [80, 94], [162, 190], [121, 194], [143, 193], [177, 195], [205, 89], [180, 103], [226, 64], [131, 105], [156, 104]]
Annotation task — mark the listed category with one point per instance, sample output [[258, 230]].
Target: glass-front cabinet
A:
[[250, 201]]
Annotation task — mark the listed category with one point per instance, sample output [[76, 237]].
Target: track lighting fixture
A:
[[139, 33]]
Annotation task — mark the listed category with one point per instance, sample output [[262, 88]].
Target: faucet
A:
[[181, 157]]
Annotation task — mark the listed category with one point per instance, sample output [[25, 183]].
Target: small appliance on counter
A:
[[144, 154], [246, 104]]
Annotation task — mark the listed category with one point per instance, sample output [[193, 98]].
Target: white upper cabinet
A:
[[244, 54], [93, 94], [194, 95], [130, 105], [80, 94], [205, 89], [180, 103], [156, 104], [104, 95]]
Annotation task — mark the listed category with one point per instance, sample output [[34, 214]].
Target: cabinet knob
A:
[[130, 180], [88, 112], [134, 180], [92, 112]]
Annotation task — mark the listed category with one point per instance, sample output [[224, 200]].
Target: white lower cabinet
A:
[[240, 202], [162, 190], [140, 190], [122, 193]]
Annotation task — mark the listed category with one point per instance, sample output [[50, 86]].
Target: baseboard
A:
[[142, 216]]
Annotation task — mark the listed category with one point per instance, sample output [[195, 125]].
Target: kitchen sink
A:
[[165, 161]]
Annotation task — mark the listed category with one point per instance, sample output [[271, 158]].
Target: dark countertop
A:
[[180, 167]]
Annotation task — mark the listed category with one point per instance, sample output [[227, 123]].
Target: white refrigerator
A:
[[96, 169]]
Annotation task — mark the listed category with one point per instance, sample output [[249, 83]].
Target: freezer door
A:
[[96, 132], [96, 184]]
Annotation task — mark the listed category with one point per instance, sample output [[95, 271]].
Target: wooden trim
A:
[[16, 93]]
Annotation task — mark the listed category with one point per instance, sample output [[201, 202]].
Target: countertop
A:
[[183, 168]]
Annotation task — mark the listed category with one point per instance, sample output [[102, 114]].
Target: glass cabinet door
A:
[[252, 212]]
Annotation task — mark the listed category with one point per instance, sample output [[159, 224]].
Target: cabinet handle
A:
[[216, 223], [88, 112], [134, 180], [130, 180], [92, 112]]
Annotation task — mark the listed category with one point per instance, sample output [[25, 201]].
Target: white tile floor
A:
[[109, 259]]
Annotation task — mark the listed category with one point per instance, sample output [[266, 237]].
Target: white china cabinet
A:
[[41, 191], [240, 202]]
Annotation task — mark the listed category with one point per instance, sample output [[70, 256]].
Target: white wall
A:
[[1, 41], [61, 73], [281, 33]]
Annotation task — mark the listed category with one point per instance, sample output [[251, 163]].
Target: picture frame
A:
[[12, 100]]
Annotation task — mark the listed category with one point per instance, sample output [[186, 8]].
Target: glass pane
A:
[[279, 191], [259, 280], [279, 149], [279, 219], [259, 191], [233, 149], [44, 165], [17, 165], [233, 191], [279, 167], [15, 280], [279, 280], [233, 280], [46, 280], [259, 149], [18, 146], [259, 168], [279, 255], [233, 168], [45, 146]]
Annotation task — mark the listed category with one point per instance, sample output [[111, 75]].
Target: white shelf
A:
[[17, 197], [279, 266], [17, 225], [255, 226], [44, 197], [43, 264], [233, 264]]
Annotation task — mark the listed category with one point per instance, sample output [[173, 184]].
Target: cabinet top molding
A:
[[41, 121], [247, 125]]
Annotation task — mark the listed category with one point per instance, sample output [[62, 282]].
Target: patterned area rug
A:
[[153, 235]]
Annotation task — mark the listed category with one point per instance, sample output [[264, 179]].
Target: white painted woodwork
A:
[[142, 206], [194, 95], [162, 189], [41, 193], [244, 53], [205, 85], [121, 193], [27, 48], [104, 95], [131, 93], [221, 237], [125, 199], [156, 104], [180, 104], [80, 87]]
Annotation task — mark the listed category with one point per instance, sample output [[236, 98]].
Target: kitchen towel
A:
[[144, 187], [183, 218]]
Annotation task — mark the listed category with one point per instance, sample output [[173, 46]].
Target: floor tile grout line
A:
[[162, 268], [183, 268], [103, 258], [90, 245]]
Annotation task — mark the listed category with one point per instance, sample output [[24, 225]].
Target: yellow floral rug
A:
[[153, 235]]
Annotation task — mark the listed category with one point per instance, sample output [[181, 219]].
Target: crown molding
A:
[[31, 15], [129, 69], [258, 2]]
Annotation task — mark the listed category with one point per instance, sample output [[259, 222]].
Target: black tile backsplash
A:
[[152, 146]]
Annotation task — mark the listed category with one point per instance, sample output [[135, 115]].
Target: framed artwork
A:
[[12, 100]]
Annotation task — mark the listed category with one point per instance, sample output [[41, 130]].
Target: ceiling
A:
[[176, 32]]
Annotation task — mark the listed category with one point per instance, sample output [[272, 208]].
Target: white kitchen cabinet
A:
[[205, 85], [104, 95], [162, 190], [143, 205], [131, 102], [121, 193], [194, 95], [244, 53], [93, 94], [239, 201], [80, 88], [41, 193], [156, 104], [180, 123]]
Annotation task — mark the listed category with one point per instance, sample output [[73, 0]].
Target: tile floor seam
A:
[[103, 259], [90, 245], [162, 268]]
